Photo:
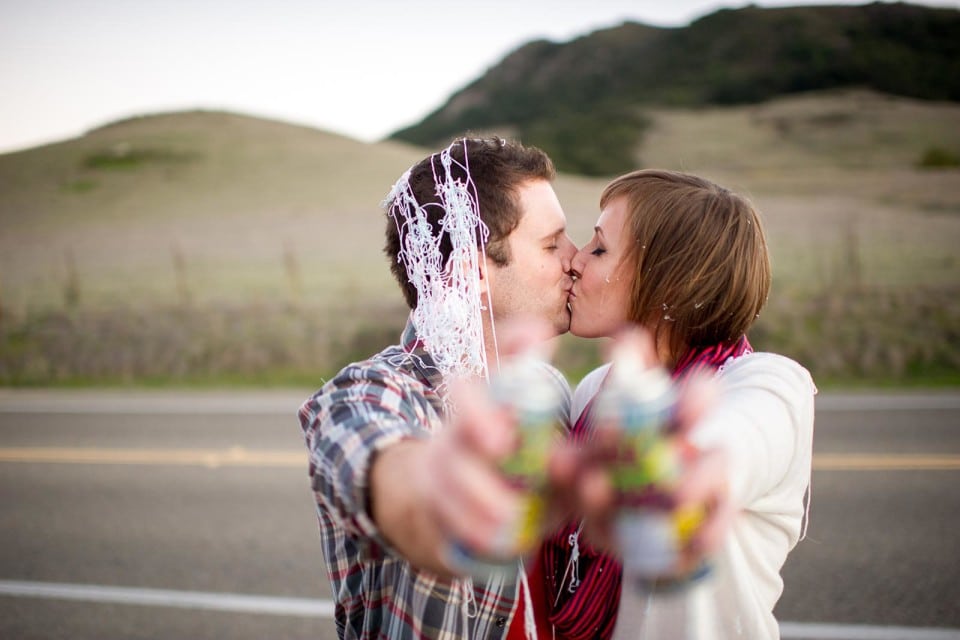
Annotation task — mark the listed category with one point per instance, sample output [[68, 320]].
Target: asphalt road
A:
[[198, 500]]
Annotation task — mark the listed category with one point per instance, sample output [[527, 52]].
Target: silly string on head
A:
[[448, 312]]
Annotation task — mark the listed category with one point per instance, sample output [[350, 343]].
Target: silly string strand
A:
[[448, 315]]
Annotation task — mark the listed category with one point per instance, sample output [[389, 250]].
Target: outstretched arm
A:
[[429, 494]]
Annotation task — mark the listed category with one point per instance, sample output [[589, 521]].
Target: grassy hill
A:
[[227, 193], [586, 101], [214, 248]]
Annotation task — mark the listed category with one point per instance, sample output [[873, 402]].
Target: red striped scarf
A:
[[589, 611]]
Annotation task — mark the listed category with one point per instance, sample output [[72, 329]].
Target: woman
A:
[[687, 260]]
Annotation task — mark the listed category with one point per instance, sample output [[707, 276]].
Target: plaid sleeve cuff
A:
[[355, 416], [372, 542]]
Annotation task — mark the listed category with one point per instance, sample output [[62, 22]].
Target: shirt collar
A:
[[422, 361]]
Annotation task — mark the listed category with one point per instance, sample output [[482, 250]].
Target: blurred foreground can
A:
[[650, 532], [525, 387]]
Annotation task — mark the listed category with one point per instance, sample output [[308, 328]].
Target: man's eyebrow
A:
[[554, 234]]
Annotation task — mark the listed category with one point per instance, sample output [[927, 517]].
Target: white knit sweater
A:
[[764, 419]]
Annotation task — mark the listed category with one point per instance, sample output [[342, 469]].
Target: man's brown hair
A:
[[497, 168], [701, 266]]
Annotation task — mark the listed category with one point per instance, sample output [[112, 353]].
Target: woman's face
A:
[[600, 298]]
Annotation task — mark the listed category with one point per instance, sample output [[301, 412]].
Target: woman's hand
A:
[[700, 486]]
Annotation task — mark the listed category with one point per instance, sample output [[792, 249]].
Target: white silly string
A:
[[448, 313], [573, 564]]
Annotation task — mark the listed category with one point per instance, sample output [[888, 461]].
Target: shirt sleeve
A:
[[586, 390], [365, 409], [557, 379], [764, 419]]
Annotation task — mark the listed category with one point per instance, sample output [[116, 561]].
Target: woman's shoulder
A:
[[766, 368], [593, 379]]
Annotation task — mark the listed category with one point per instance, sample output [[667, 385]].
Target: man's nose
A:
[[568, 257]]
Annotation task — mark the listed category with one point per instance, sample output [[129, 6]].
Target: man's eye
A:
[[553, 247]]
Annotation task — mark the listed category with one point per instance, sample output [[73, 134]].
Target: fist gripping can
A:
[[650, 531], [526, 389]]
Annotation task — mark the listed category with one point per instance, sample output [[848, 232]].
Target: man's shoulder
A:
[[375, 367], [562, 389], [388, 374], [393, 360]]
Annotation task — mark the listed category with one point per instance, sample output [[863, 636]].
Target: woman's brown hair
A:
[[702, 269]]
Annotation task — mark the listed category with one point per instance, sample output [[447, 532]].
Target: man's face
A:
[[537, 280]]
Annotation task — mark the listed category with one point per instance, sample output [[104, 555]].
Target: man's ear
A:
[[484, 269]]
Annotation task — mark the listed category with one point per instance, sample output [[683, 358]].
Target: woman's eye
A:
[[599, 251]]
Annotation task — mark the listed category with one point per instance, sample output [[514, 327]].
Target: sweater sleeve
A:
[[764, 419], [357, 414]]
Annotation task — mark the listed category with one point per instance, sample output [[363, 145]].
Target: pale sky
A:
[[361, 68]]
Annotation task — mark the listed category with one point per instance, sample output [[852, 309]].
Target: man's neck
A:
[[490, 345]]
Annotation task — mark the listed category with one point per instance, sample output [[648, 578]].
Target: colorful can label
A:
[[650, 532], [526, 388]]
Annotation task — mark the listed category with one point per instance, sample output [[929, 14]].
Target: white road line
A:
[[284, 403], [306, 607], [814, 631], [888, 402], [287, 402]]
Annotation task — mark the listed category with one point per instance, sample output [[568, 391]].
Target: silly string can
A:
[[650, 531], [526, 388]]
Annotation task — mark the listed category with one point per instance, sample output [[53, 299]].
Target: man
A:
[[391, 501], [403, 457]]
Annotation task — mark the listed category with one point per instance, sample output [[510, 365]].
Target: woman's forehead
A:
[[612, 218]]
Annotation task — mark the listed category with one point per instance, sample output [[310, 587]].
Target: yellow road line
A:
[[885, 462], [213, 458], [241, 457]]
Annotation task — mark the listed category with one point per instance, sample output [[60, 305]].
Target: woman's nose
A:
[[576, 264]]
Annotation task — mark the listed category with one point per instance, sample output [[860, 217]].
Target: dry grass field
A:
[[213, 248]]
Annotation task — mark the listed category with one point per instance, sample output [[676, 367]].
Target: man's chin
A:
[[564, 322]]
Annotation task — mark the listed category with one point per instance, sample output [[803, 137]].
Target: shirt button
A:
[[501, 623]]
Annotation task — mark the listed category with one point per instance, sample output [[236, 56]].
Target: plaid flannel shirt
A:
[[369, 406]]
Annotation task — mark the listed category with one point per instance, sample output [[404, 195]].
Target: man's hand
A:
[[428, 495]]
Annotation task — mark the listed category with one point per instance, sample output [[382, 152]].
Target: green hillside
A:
[[180, 165], [214, 248], [585, 101], [220, 196]]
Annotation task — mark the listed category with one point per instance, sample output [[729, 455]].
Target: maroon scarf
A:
[[589, 612]]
